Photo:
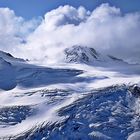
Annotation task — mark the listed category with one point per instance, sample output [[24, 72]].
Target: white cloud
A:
[[65, 15], [105, 28], [13, 29]]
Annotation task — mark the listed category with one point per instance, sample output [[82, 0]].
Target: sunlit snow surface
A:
[[69, 101]]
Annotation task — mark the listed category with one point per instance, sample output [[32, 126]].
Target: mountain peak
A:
[[87, 55], [81, 54]]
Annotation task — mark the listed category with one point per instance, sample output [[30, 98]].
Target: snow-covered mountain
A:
[[99, 100], [9, 58], [83, 54], [17, 72]]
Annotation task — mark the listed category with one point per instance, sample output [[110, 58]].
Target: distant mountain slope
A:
[[9, 58], [83, 54], [15, 71]]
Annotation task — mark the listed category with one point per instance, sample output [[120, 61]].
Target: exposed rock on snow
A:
[[88, 55], [135, 89], [81, 54], [15, 114], [105, 114]]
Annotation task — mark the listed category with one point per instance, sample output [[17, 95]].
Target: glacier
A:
[[87, 96]]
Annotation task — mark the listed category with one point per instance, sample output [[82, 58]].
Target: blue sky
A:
[[33, 8]]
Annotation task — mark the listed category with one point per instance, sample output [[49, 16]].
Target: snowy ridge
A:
[[83, 54], [8, 57]]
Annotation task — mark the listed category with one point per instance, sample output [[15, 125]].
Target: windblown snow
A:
[[87, 96]]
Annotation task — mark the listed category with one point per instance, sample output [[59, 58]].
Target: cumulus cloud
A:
[[13, 29], [105, 29]]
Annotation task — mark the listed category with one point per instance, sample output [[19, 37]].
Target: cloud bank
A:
[[105, 28], [14, 30]]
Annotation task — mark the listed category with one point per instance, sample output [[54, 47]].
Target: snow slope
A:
[[85, 98], [14, 72], [104, 114]]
